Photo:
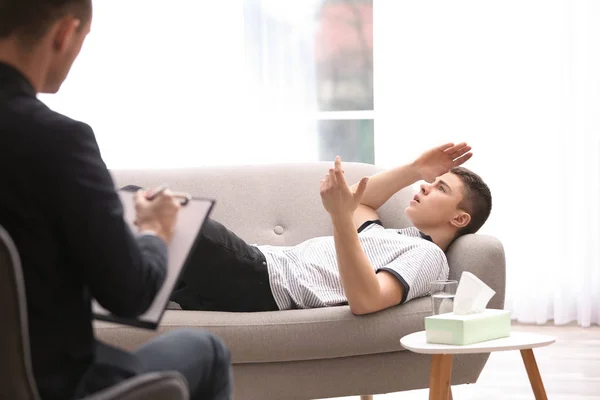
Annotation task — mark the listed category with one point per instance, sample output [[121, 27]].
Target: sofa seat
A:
[[292, 334]]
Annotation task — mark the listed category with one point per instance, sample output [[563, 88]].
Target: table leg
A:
[[534, 374], [439, 377]]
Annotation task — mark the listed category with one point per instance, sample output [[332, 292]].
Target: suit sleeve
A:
[[123, 272]]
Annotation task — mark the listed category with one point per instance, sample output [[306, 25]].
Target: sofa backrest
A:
[[276, 204]]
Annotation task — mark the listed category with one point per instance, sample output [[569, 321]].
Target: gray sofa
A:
[[318, 353]]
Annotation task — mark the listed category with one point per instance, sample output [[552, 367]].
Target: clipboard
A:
[[190, 220]]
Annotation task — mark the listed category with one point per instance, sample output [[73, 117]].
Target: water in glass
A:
[[442, 303]]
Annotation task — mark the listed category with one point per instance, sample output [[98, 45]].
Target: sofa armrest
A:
[[151, 386], [484, 257]]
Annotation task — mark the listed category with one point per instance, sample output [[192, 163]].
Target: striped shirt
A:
[[306, 275]]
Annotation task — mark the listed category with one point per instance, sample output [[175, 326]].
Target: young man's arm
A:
[[381, 187], [385, 184], [366, 291], [427, 166]]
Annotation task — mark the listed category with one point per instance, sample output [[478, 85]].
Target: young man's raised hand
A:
[[337, 197], [441, 159]]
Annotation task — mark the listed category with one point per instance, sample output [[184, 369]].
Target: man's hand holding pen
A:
[[157, 210]]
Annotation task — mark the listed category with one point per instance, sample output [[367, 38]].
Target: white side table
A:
[[441, 362]]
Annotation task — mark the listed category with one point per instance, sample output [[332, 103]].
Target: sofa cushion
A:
[[289, 335]]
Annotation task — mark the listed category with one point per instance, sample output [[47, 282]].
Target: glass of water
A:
[[442, 296]]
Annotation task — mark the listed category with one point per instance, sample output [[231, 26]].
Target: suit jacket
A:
[[59, 204]]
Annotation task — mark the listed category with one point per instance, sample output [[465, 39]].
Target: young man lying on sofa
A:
[[377, 267]]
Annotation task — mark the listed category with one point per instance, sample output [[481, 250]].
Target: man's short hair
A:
[[29, 20], [477, 199]]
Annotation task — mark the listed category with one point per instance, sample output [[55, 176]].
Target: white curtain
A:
[[577, 295], [195, 83], [520, 81]]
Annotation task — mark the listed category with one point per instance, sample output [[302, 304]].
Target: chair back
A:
[[16, 376]]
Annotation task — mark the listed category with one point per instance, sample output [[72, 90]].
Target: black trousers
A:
[[224, 273]]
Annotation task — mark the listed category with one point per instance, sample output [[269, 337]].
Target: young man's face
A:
[[436, 204]]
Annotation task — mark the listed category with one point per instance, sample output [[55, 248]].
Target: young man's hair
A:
[[29, 20], [477, 199]]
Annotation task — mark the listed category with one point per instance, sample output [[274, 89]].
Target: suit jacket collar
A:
[[12, 79]]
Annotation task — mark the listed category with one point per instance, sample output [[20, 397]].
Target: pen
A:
[[156, 191], [184, 197]]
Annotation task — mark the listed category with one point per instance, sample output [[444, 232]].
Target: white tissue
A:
[[472, 295]]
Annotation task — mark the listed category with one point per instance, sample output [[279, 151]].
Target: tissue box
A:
[[467, 329]]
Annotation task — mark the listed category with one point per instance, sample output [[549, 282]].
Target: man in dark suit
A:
[[59, 203]]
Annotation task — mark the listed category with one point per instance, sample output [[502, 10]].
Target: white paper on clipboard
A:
[[190, 219]]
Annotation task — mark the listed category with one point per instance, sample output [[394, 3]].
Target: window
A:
[[344, 71], [315, 57], [232, 82], [344, 55]]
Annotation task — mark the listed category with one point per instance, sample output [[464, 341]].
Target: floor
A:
[[570, 369]]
